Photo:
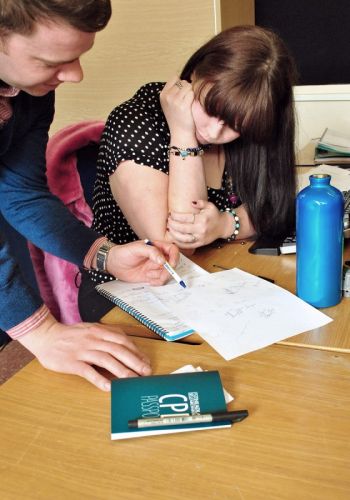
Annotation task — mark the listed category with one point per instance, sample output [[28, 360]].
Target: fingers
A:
[[118, 356], [200, 204], [117, 359], [157, 276], [151, 250], [102, 360], [190, 217], [188, 230], [168, 251], [175, 85], [75, 348], [170, 83], [184, 218], [90, 374], [121, 347], [113, 333], [177, 91], [187, 240], [181, 226]]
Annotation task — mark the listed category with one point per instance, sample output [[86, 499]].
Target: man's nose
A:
[[71, 72]]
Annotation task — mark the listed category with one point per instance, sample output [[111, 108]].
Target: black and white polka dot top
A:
[[135, 130]]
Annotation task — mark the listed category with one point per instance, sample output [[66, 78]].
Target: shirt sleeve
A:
[[29, 324], [25, 200], [27, 204], [17, 300], [136, 130]]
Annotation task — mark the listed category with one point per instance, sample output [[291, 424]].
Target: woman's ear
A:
[[192, 77]]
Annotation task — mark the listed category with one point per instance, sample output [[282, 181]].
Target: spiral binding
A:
[[152, 325]]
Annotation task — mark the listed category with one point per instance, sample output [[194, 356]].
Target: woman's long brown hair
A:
[[250, 73]]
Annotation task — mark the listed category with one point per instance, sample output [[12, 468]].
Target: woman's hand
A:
[[176, 100], [206, 224], [203, 226]]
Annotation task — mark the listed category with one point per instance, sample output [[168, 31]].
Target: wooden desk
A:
[[335, 336], [55, 444]]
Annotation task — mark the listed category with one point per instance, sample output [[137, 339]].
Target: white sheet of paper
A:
[[340, 177], [336, 139], [191, 368], [236, 312]]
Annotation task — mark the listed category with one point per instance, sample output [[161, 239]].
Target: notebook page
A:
[[236, 312], [142, 298]]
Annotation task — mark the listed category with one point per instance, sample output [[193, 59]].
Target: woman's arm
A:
[[187, 180], [146, 195], [142, 195]]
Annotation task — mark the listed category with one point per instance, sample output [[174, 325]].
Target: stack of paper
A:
[[333, 148]]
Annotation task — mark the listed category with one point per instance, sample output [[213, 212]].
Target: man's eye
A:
[[50, 65]]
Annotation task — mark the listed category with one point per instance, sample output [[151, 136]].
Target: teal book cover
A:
[[165, 395]]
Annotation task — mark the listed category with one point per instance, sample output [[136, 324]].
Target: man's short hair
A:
[[20, 16]]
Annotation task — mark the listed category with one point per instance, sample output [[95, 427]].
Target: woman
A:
[[208, 155]]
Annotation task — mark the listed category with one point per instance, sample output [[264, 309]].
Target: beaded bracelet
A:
[[236, 224], [174, 150]]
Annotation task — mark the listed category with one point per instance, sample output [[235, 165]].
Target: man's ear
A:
[[3, 41], [2, 44]]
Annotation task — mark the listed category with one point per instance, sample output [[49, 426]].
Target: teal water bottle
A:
[[319, 242]]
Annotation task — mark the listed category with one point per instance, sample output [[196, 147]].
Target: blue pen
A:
[[170, 270]]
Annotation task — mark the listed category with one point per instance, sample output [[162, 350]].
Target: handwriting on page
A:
[[152, 307], [237, 312], [188, 270], [139, 300]]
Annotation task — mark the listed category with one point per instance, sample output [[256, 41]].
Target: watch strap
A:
[[102, 256]]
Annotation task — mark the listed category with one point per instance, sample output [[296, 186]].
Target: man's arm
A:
[[29, 206], [79, 349], [25, 200]]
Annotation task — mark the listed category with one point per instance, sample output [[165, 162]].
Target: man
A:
[[41, 42]]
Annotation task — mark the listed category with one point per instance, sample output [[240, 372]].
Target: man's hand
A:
[[138, 262], [79, 349]]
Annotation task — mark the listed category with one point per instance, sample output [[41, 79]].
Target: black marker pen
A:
[[232, 416]]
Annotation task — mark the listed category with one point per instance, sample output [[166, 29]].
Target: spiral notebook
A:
[[138, 300]]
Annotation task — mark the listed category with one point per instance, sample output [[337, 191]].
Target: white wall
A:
[[146, 40], [319, 107]]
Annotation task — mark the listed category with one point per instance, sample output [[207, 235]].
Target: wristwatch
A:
[[102, 256]]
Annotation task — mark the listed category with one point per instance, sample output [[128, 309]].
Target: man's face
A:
[[39, 62]]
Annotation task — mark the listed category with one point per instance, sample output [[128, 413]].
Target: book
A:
[[138, 300], [333, 148], [199, 392]]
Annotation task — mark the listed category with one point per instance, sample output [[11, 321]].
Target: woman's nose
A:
[[215, 128]]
